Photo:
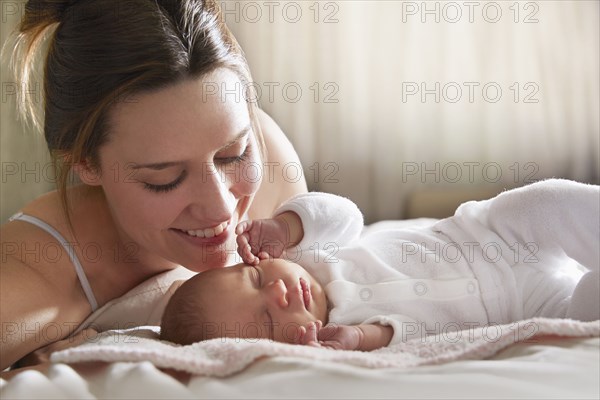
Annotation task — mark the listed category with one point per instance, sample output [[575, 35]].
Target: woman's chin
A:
[[216, 260], [207, 265]]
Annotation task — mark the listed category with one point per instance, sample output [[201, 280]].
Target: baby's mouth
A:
[[305, 286]]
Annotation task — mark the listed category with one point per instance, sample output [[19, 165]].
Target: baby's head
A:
[[270, 300]]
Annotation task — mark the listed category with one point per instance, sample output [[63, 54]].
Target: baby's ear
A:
[[87, 173]]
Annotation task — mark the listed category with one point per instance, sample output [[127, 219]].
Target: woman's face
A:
[[180, 169]]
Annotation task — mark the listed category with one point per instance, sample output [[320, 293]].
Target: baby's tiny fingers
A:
[[263, 255], [299, 335], [248, 257], [319, 325], [241, 227], [311, 332], [242, 240]]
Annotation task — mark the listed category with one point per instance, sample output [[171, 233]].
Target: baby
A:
[[310, 277]]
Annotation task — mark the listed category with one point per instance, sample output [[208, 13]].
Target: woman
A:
[[150, 106]]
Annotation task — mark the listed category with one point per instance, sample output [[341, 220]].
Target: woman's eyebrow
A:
[[169, 164]]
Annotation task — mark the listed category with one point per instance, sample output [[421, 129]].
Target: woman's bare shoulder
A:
[[39, 283], [283, 175], [35, 247], [84, 202]]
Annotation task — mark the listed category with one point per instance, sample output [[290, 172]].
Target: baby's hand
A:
[[307, 335], [260, 239], [340, 337], [333, 336]]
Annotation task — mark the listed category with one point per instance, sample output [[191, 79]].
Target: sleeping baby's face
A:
[[270, 300]]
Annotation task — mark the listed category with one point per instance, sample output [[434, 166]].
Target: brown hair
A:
[[184, 319], [100, 52]]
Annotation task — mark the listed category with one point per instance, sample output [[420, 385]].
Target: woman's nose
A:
[[211, 197], [277, 293]]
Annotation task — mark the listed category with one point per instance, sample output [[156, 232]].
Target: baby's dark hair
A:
[[184, 319]]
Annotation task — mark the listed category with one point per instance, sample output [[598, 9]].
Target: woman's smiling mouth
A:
[[214, 236], [208, 232]]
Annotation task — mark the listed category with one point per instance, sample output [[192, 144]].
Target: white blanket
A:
[[223, 357]]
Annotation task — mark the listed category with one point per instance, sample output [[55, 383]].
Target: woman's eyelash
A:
[[165, 188], [223, 161], [234, 160]]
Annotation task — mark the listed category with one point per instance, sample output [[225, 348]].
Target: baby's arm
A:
[[263, 238], [375, 336], [325, 218], [363, 337], [303, 221]]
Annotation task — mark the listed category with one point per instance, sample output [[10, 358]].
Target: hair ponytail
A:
[[43, 12], [25, 52]]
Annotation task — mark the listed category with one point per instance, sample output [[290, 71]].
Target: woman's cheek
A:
[[155, 209], [251, 176]]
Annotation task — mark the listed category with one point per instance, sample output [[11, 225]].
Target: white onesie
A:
[[493, 262]]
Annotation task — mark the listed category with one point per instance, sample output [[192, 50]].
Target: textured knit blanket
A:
[[223, 357]]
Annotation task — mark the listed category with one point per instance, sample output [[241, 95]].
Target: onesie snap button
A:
[[420, 288], [471, 288]]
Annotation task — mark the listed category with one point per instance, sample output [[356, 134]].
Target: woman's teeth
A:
[[209, 232]]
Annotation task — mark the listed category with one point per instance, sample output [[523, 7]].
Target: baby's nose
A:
[[278, 293]]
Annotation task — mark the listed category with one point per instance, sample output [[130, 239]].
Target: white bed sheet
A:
[[553, 368]]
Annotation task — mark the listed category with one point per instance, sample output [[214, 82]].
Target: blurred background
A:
[[408, 108]]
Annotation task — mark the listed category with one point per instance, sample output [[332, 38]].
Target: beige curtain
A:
[[383, 102], [415, 96]]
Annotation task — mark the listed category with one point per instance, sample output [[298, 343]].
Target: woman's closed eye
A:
[[219, 161], [166, 187], [235, 159]]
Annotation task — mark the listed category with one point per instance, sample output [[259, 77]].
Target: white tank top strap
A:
[[70, 251]]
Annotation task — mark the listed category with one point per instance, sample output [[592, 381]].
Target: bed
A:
[[557, 363], [550, 369]]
